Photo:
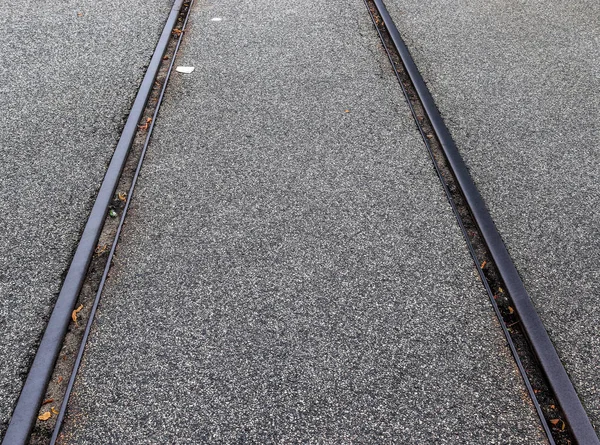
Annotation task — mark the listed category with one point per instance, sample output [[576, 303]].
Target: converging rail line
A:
[[26, 410], [184, 12], [487, 248]]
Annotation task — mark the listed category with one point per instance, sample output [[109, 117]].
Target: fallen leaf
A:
[[145, 126], [483, 264], [176, 32], [122, 196], [511, 310], [45, 416], [346, 111], [75, 312], [59, 379], [47, 401], [54, 411], [100, 249], [554, 421]]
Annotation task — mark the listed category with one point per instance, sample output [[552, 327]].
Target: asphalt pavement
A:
[[517, 84], [69, 74], [290, 270]]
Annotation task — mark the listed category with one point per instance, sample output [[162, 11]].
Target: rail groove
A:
[[63, 409], [554, 396], [26, 409]]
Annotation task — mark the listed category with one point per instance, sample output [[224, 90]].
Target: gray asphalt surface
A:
[[291, 271], [69, 73], [517, 84]]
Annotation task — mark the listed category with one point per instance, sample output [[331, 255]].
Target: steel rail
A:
[[542, 346], [90, 322], [25, 413], [470, 247]]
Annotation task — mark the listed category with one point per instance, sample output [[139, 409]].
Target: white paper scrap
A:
[[184, 69]]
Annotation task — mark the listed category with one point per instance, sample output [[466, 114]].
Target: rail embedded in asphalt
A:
[[32, 394], [545, 370]]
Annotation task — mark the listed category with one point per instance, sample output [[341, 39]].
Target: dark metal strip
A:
[[34, 389], [542, 346], [470, 247], [90, 322]]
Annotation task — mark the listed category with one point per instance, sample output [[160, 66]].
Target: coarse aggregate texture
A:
[[290, 271], [517, 84], [70, 71]]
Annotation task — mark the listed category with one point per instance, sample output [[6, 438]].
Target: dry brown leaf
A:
[[59, 379], [45, 416], [75, 312], [47, 401], [100, 249], [176, 32], [122, 196], [483, 264], [54, 411], [145, 126], [511, 310], [554, 421]]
